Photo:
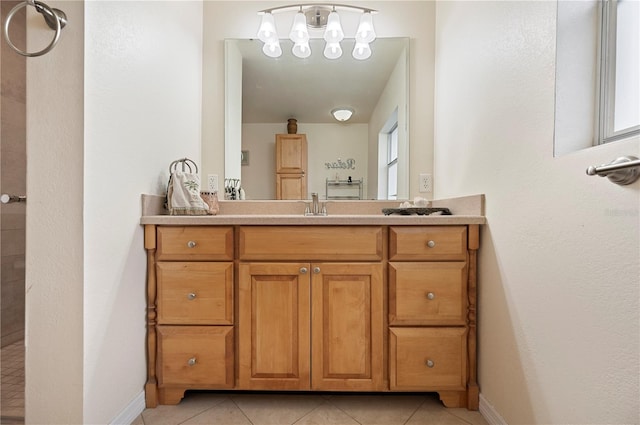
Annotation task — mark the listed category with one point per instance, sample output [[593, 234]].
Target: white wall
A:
[[239, 19], [325, 143], [394, 97], [559, 259], [54, 247], [142, 99]]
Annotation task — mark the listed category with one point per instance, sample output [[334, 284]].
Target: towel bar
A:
[[622, 171]]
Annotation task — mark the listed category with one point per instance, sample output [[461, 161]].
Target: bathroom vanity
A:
[[259, 298]]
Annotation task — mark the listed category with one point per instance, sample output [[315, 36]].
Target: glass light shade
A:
[[301, 50], [267, 31], [333, 33], [365, 32], [299, 32], [361, 51], [332, 50], [342, 114], [272, 49]]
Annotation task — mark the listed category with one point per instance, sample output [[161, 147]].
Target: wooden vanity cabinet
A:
[[312, 307]]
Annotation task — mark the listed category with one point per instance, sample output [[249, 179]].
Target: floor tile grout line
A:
[[346, 413], [458, 417], [324, 402], [424, 401], [241, 411], [202, 411]]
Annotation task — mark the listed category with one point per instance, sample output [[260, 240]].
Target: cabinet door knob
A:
[[431, 244], [191, 296], [430, 363], [316, 270], [303, 270], [191, 361], [431, 295], [191, 244]]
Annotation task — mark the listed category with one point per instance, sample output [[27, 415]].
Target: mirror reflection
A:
[[263, 94]]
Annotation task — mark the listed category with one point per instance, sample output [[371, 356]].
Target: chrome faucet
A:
[[317, 208]]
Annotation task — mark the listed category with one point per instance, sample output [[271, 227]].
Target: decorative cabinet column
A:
[[291, 166]]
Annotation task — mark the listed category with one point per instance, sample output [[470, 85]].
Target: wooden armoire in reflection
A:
[[291, 166]]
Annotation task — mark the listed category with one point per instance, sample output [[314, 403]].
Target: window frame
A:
[[390, 162], [605, 93]]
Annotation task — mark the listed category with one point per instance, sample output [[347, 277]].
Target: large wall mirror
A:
[[262, 93]]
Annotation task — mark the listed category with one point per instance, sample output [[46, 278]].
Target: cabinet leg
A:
[[473, 397], [453, 398], [151, 394], [170, 395]]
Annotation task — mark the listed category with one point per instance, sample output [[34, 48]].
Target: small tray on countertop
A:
[[416, 210]]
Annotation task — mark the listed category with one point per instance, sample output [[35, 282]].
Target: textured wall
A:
[[559, 262]]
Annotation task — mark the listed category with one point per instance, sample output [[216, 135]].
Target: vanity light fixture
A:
[[342, 114], [317, 16]]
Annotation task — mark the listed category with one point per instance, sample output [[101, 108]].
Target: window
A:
[[619, 108], [392, 163], [597, 67]]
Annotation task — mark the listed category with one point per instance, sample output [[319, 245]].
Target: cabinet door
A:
[[291, 186], [291, 153], [274, 326], [347, 326]]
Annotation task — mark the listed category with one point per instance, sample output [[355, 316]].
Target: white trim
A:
[[489, 413], [131, 412]]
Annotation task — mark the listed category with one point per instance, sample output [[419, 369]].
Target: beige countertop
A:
[[465, 210]]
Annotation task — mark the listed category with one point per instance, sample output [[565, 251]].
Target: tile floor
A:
[[308, 409], [12, 383]]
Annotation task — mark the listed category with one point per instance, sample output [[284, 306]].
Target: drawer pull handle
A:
[[191, 244], [431, 244], [191, 361], [191, 296], [431, 295], [430, 363], [303, 270], [316, 270]]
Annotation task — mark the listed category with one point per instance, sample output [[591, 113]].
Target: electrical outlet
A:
[[213, 182], [426, 183]]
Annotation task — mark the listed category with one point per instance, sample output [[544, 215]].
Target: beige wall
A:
[[325, 143], [108, 110], [54, 256], [559, 261]]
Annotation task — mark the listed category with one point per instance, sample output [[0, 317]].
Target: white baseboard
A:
[[490, 413], [131, 412]]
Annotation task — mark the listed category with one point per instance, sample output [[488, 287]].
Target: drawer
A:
[[428, 293], [194, 243], [427, 359], [195, 293], [197, 356], [428, 243], [311, 243]]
